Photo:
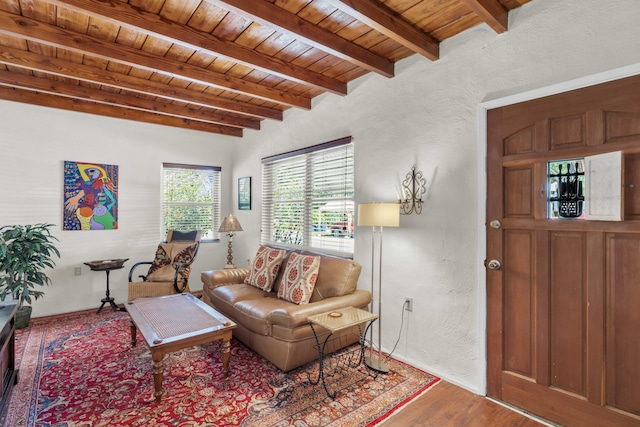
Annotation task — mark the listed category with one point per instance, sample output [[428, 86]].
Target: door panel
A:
[[632, 181], [623, 344], [567, 131], [622, 126], [519, 299], [563, 312], [518, 198], [567, 309], [520, 142]]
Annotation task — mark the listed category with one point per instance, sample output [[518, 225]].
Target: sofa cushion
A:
[[299, 278], [336, 277], [264, 268], [167, 254], [255, 314], [225, 297]]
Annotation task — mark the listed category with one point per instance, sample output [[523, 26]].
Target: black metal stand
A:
[[337, 362], [109, 299]]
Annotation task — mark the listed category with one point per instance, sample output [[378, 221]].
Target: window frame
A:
[[308, 165], [215, 204]]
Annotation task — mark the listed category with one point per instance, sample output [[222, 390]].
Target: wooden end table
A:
[[175, 322], [335, 321]]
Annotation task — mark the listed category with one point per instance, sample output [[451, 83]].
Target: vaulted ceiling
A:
[[217, 66]]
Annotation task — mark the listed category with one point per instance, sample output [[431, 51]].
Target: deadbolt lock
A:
[[494, 264]]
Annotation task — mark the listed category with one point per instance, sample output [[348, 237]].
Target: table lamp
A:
[[230, 225]]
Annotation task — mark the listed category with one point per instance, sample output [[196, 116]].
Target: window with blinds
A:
[[191, 199], [308, 198]]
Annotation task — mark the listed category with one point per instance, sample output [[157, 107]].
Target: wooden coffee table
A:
[[175, 322]]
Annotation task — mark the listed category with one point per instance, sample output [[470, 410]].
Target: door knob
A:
[[494, 264]]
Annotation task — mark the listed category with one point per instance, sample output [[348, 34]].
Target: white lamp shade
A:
[[379, 214]]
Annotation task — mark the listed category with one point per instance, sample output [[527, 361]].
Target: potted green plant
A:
[[25, 251]]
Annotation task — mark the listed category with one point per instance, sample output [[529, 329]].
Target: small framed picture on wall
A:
[[244, 193]]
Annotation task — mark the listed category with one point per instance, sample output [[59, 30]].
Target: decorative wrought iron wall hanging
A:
[[413, 187]]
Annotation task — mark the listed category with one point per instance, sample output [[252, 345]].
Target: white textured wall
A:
[[35, 141], [428, 115]]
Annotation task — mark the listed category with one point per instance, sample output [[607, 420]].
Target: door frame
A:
[[483, 107]]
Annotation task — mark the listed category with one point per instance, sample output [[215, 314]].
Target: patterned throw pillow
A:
[[264, 268], [299, 278], [167, 254]]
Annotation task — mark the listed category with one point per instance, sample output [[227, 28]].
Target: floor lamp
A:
[[230, 225], [377, 215]]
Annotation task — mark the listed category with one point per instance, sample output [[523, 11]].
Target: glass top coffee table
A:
[[174, 322]]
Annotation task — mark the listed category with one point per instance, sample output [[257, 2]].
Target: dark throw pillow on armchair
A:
[[168, 254]]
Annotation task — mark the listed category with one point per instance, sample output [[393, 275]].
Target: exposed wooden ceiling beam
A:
[[15, 25], [216, 64], [492, 12], [381, 19], [153, 24], [46, 100], [63, 68], [291, 24], [70, 90]]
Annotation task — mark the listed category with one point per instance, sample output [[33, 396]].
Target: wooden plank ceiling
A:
[[216, 66]]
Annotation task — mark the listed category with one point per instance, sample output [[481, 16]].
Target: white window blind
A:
[[191, 199], [308, 198]]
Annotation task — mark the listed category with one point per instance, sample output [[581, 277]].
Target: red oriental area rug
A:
[[79, 369]]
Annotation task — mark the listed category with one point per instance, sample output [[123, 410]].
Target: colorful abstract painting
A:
[[90, 196]]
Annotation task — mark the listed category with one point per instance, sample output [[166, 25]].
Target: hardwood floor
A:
[[451, 406]]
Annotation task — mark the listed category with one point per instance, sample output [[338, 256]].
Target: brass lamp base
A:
[[375, 363], [230, 253]]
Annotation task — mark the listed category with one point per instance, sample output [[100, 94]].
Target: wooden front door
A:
[[563, 310]]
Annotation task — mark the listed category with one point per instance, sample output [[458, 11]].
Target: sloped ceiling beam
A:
[[47, 100], [138, 20], [492, 12], [70, 90], [15, 25], [63, 68], [291, 24], [381, 19]]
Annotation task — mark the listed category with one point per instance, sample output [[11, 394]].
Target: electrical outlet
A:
[[408, 304], [78, 271]]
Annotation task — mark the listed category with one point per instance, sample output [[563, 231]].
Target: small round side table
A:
[[107, 265]]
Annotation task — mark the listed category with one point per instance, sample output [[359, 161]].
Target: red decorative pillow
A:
[[264, 268], [167, 254], [299, 278]]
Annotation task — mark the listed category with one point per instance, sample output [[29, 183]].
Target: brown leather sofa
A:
[[279, 330]]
